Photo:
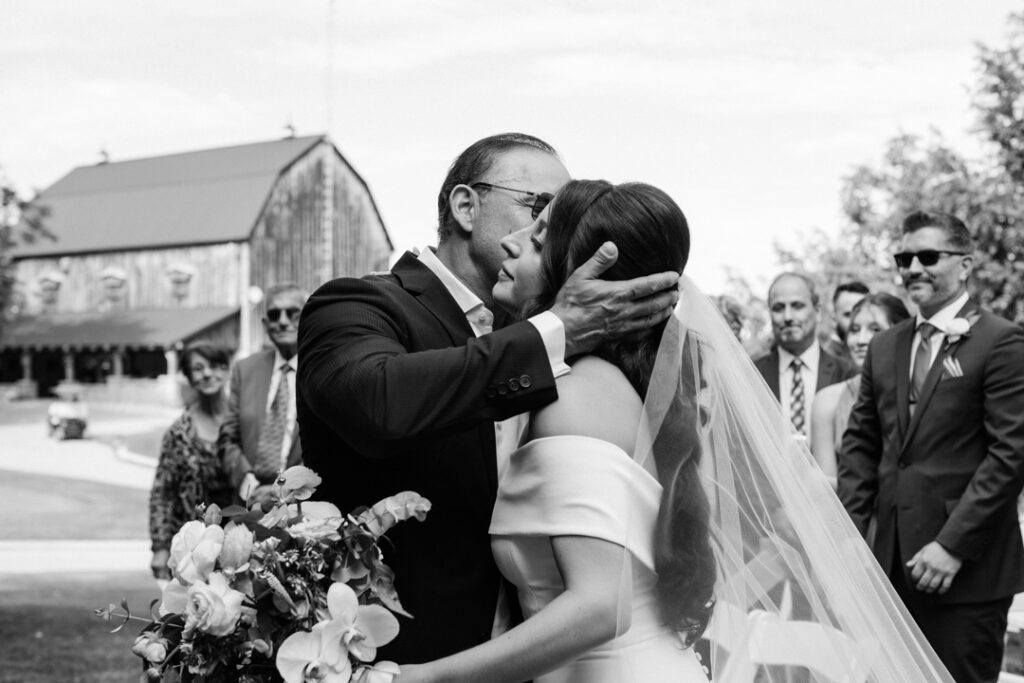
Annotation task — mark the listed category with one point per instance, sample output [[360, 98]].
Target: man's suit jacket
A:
[[247, 408], [831, 370], [953, 471], [396, 393]]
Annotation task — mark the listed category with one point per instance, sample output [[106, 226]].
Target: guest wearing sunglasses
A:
[[408, 382], [935, 449], [259, 436]]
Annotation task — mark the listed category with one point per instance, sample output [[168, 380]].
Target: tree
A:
[[915, 173], [21, 222]]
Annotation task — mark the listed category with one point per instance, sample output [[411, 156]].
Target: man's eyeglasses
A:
[[540, 199], [927, 257], [274, 314]]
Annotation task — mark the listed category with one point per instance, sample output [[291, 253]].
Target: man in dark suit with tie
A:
[[259, 435], [402, 381], [935, 449], [797, 366]]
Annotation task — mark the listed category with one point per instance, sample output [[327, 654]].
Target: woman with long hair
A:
[[662, 498], [832, 405], [572, 497]]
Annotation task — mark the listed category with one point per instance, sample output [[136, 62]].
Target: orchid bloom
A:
[[321, 655], [364, 627], [314, 656]]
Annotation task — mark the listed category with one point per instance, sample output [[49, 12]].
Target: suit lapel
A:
[[431, 293], [828, 371], [904, 337], [261, 372], [774, 373]]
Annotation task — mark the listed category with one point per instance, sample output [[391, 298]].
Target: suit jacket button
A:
[[490, 393], [525, 382], [502, 389], [513, 384]]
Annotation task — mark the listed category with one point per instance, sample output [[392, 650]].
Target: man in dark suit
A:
[[797, 366], [402, 380], [844, 298], [259, 435], [935, 449]]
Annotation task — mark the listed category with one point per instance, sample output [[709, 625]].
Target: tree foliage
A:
[[21, 222], [926, 173]]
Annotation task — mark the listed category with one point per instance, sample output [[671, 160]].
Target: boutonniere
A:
[[958, 328]]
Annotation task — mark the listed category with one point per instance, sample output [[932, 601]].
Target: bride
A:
[[662, 499]]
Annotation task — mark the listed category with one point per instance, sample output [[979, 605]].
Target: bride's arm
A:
[[591, 611]]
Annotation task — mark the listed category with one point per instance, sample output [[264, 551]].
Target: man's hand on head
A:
[[594, 310]]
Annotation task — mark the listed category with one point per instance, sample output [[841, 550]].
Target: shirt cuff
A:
[[552, 333]]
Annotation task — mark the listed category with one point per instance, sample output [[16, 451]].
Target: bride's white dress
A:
[[581, 486]]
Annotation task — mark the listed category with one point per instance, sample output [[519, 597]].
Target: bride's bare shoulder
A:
[[594, 400]]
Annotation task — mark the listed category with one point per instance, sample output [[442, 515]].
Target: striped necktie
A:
[[275, 423], [922, 361], [797, 409]]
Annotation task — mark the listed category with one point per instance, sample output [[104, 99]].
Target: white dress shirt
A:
[[941, 320]]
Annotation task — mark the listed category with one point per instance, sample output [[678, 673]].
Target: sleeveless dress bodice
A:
[[580, 486]]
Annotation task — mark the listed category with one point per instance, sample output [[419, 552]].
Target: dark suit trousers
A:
[[967, 637]]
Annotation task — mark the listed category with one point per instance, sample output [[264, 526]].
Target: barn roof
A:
[[141, 328], [201, 197]]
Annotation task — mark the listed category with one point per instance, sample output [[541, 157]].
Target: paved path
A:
[[26, 448]]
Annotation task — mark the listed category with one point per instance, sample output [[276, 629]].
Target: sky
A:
[[749, 113]]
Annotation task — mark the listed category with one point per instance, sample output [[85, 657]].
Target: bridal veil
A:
[[798, 595]]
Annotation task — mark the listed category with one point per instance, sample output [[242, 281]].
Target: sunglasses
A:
[[274, 314], [926, 257], [540, 200]]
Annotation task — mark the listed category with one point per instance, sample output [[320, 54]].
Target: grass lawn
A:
[[42, 507], [49, 633]]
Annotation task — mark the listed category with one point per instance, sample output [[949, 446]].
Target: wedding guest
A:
[[189, 472], [259, 437], [797, 366], [403, 379], [935, 451], [733, 312], [832, 405], [845, 297]]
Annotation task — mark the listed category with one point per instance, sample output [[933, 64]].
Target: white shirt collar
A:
[[279, 360], [809, 358], [462, 294], [944, 315]]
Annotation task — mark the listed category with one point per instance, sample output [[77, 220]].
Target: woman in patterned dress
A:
[[189, 472]]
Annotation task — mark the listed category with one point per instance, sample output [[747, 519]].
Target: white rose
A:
[[194, 551], [213, 607]]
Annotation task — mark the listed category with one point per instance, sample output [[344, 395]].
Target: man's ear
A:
[[966, 267], [464, 205]]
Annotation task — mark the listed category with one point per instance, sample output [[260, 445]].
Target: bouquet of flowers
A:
[[298, 593]]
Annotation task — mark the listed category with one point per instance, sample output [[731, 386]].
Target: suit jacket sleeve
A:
[[357, 363], [997, 481], [229, 440], [861, 453]]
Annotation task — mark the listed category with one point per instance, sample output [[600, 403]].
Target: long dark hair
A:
[[652, 236], [895, 310]]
